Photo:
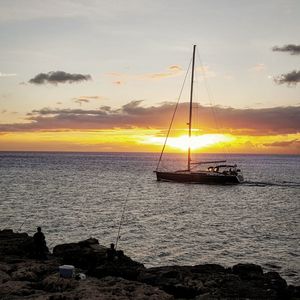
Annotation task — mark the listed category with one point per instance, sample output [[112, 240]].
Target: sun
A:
[[195, 142]]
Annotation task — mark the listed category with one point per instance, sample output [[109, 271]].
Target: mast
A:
[[191, 112]]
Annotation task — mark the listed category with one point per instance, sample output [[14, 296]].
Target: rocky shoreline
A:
[[24, 277]]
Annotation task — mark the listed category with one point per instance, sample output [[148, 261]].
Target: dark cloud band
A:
[[283, 143], [292, 49], [291, 78], [58, 77], [266, 121]]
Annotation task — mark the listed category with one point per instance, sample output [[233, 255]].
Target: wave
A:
[[288, 184]]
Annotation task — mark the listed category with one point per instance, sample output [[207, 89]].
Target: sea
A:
[[115, 197]]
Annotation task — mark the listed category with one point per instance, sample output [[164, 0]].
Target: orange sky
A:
[[96, 76], [138, 128]]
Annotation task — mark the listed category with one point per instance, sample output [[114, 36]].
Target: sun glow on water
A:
[[195, 142]]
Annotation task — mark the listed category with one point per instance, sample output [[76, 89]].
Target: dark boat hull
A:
[[201, 177]]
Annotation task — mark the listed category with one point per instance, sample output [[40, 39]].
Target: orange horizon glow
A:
[[147, 140]]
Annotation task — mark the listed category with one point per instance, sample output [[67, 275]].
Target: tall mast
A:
[[191, 111]]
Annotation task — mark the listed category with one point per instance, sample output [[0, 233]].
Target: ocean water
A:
[[74, 196]]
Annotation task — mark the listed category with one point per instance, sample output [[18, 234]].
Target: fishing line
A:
[[21, 225], [122, 215]]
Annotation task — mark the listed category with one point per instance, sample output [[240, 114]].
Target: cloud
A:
[[172, 71], [80, 101], [7, 75], [86, 99], [265, 121], [92, 97], [292, 49], [58, 77], [258, 67], [283, 143], [291, 78], [175, 68], [121, 78]]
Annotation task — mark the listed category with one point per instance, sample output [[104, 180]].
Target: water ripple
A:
[[77, 195]]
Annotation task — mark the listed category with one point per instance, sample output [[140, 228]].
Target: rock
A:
[[178, 281], [54, 283], [5, 267], [208, 269], [89, 255], [4, 277], [111, 288], [18, 244], [232, 285], [246, 281], [278, 284], [34, 270], [88, 242], [123, 278], [122, 267], [24, 275], [205, 296], [294, 292], [248, 271], [86, 254], [15, 288]]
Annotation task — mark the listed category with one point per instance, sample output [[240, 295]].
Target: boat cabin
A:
[[224, 169]]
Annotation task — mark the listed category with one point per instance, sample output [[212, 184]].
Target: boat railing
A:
[[208, 162]]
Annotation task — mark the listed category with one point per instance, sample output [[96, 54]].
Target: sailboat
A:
[[215, 172]]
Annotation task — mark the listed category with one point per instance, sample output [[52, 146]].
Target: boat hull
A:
[[201, 177]]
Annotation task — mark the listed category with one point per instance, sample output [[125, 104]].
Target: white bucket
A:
[[66, 271]]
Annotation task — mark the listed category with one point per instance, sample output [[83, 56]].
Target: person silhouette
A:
[[111, 252], [41, 248]]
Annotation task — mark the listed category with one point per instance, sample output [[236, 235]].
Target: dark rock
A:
[[216, 282], [33, 270], [86, 254], [54, 283], [123, 267], [277, 283], [247, 271], [4, 277], [24, 275], [88, 242], [109, 288], [232, 286], [175, 280], [208, 268], [294, 292], [19, 244], [15, 288], [89, 255], [24, 278]]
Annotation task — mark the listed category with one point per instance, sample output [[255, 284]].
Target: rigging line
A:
[[209, 94], [171, 123], [122, 215], [197, 102]]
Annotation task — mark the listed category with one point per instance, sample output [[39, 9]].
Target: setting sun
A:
[[195, 142]]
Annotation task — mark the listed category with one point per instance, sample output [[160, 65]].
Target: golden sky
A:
[[105, 75], [134, 127]]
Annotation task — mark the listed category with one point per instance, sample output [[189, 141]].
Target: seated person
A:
[[111, 253]]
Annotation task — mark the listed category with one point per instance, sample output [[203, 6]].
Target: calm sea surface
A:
[[77, 195]]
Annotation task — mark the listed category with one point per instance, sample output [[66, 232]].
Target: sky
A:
[[99, 75]]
